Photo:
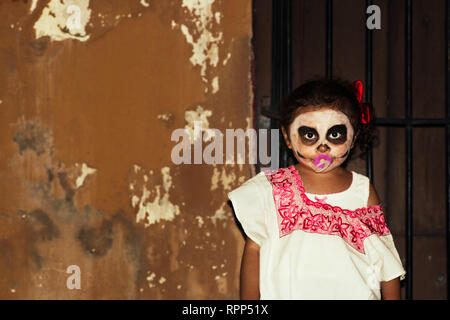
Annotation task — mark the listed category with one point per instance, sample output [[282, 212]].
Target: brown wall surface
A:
[[90, 93]]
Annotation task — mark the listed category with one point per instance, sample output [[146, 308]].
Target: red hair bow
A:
[[363, 107]]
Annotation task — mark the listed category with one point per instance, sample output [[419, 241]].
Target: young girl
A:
[[316, 230]]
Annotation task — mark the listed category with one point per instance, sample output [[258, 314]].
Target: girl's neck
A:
[[334, 181]]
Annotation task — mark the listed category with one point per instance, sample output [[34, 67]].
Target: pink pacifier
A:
[[322, 161]]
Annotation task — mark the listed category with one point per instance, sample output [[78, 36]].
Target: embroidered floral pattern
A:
[[297, 212]]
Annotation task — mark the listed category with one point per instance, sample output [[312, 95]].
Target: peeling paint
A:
[[144, 3], [200, 221], [64, 19], [215, 179], [85, 171], [150, 279], [225, 61], [220, 214], [218, 16], [215, 85], [201, 115], [227, 179], [33, 5], [205, 48], [160, 208], [164, 116]]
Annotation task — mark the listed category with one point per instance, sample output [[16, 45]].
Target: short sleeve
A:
[[248, 207], [384, 257]]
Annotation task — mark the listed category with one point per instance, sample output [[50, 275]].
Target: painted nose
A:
[[323, 148]]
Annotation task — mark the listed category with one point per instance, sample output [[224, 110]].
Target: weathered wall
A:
[[89, 98]]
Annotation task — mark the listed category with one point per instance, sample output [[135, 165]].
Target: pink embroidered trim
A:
[[321, 200], [297, 212]]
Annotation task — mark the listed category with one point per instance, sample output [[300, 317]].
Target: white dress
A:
[[329, 247]]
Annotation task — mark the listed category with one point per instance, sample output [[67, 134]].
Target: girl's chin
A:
[[310, 165]]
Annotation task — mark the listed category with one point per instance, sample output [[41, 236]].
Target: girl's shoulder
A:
[[360, 181], [250, 206]]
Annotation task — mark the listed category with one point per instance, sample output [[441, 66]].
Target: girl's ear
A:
[[286, 137]]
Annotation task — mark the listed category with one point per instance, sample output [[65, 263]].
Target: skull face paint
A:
[[321, 139]]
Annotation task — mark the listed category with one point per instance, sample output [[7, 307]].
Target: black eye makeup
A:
[[308, 135], [337, 134]]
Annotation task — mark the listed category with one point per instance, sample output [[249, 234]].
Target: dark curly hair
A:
[[336, 93]]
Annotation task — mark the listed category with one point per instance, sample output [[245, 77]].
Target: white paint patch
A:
[[160, 208], [200, 115], [33, 5], [150, 279], [227, 179], [85, 171], [221, 176], [64, 19], [215, 85], [134, 200], [225, 61], [200, 221], [205, 49], [220, 214], [164, 116], [144, 3], [215, 179], [217, 16]]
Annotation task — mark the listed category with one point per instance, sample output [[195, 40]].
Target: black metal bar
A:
[[409, 149], [447, 145], [329, 40], [287, 69], [288, 49], [281, 65], [369, 88], [276, 45]]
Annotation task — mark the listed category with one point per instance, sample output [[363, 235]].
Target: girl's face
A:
[[321, 139]]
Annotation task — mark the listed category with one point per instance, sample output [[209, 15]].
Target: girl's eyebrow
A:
[[306, 128], [315, 128], [338, 125]]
